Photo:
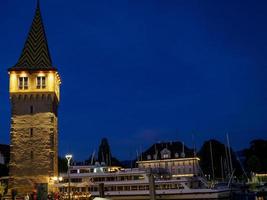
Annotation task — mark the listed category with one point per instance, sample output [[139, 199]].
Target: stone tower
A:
[[34, 94]]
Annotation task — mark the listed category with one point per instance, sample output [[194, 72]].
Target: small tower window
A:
[[40, 82], [52, 143], [31, 132], [23, 83], [31, 109], [51, 161], [31, 155]]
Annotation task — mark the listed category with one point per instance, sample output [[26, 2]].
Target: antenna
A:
[[194, 144], [137, 155], [92, 158]]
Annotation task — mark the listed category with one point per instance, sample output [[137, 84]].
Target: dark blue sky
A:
[[139, 72]]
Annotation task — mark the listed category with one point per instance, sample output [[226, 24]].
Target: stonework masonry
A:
[[34, 136]]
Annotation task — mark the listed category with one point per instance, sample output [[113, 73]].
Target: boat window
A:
[[126, 188], [76, 180], [119, 188], [84, 171], [180, 186], [134, 187]]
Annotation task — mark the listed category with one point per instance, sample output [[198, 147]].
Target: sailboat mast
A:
[[222, 169], [229, 152], [227, 160], [211, 156]]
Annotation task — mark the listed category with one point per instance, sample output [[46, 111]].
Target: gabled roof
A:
[[35, 54], [173, 147]]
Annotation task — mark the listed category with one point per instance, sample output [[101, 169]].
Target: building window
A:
[[23, 83], [31, 132], [51, 161], [31, 109], [40, 82], [52, 141], [165, 156], [31, 155]]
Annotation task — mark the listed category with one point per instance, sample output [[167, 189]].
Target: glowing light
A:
[[41, 74], [261, 175], [52, 82], [182, 175], [23, 74], [68, 157]]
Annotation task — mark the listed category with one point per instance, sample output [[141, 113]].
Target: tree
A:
[[256, 156], [62, 165], [220, 161]]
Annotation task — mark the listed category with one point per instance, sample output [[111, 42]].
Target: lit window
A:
[[40, 82], [166, 155], [23, 83]]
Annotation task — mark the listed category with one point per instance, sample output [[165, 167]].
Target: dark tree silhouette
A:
[[256, 156], [221, 165], [62, 165]]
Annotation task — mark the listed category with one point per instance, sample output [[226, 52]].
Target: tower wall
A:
[[34, 86], [34, 136]]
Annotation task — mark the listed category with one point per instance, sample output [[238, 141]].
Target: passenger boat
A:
[[118, 183]]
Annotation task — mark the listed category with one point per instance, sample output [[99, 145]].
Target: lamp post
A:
[[68, 157]]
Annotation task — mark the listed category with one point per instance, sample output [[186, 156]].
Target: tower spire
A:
[[35, 54]]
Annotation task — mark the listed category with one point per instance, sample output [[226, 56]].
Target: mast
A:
[[212, 166], [227, 160], [222, 169], [194, 146], [229, 152], [137, 155], [92, 158]]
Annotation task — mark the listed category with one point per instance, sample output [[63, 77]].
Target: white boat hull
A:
[[160, 195]]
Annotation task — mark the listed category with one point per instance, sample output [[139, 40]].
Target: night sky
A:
[[139, 72]]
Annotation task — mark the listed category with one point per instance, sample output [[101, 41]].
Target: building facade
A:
[[34, 94], [179, 167], [172, 158]]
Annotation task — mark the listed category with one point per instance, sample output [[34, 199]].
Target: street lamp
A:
[[68, 157]]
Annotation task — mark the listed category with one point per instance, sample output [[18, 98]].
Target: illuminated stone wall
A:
[[34, 140]]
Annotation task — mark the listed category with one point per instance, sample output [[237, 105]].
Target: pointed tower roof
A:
[[35, 54]]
